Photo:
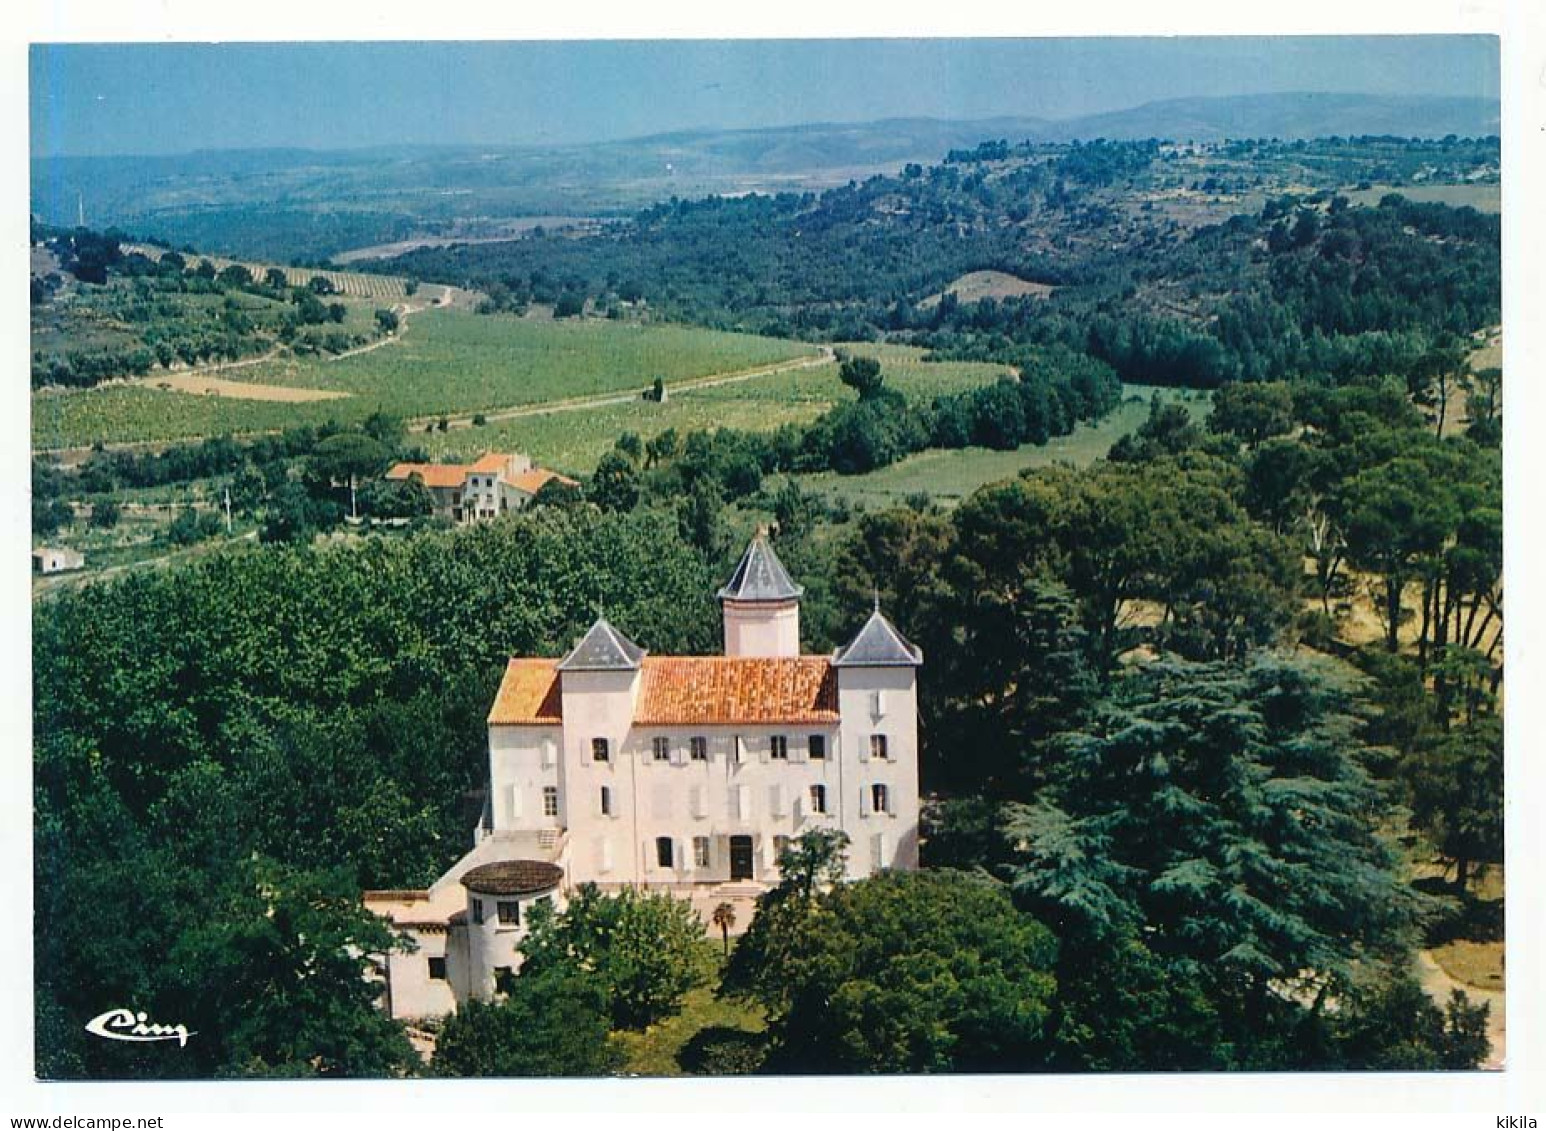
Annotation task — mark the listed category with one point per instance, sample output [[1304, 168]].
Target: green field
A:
[[904, 369], [950, 475], [573, 441], [1482, 197], [447, 362]]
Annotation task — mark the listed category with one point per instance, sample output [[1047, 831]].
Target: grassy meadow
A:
[[948, 476]]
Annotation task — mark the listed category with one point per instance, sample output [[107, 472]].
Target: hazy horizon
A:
[[96, 100]]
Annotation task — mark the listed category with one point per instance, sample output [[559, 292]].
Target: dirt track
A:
[[1440, 985], [577, 404]]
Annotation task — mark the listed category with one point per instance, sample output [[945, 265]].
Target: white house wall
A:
[[880, 700], [523, 761]]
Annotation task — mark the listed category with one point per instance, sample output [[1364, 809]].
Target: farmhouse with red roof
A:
[[470, 492]]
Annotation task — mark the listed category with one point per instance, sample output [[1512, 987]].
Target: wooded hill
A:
[[1258, 283]]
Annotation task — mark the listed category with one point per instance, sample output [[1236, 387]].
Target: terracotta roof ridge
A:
[[719, 658]]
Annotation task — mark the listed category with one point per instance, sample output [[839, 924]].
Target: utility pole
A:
[[228, 510], [353, 512]]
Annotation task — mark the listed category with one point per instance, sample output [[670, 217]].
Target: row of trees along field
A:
[[175, 310], [1116, 736], [305, 480], [292, 485]]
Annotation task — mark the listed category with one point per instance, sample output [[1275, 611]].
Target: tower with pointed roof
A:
[[877, 700], [761, 605]]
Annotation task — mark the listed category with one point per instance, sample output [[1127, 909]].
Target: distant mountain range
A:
[[1286, 116], [343, 198]]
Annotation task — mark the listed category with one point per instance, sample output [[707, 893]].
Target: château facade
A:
[[681, 773]]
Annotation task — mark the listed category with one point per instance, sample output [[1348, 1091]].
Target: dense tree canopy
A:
[[544, 1025], [642, 951], [901, 972]]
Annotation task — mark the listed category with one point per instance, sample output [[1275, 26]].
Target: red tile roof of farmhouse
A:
[[538, 477], [489, 462], [433, 474], [492, 463], [687, 690]]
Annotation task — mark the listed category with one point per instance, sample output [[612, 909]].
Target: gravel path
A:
[[1439, 985]]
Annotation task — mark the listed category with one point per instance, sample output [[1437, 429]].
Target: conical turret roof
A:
[[760, 576], [602, 649], [878, 645]]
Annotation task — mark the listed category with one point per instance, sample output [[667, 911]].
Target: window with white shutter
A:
[[698, 802], [699, 747], [700, 851], [606, 854], [514, 802], [776, 800], [743, 802], [549, 753], [880, 855], [818, 799], [660, 803], [864, 801]]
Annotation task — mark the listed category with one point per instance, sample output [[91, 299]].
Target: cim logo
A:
[[126, 1025]]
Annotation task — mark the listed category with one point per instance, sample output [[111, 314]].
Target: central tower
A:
[[761, 605]]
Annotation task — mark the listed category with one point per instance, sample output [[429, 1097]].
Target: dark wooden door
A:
[[740, 858]]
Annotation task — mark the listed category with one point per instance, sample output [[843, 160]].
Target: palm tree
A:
[[724, 919]]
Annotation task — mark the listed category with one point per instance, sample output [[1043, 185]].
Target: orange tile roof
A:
[[534, 480], [688, 691], [528, 694], [433, 474], [490, 462], [684, 690]]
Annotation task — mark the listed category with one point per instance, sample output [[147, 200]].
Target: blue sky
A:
[[174, 98]]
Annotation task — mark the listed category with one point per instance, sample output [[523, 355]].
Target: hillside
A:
[[1176, 264], [292, 205]]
